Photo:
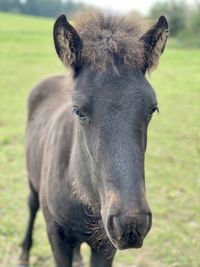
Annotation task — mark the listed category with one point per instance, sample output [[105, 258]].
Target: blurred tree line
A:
[[184, 20], [45, 8]]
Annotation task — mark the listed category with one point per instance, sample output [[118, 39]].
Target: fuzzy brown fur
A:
[[110, 41]]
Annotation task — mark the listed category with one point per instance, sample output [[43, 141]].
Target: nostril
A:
[[149, 221], [117, 227], [110, 222], [113, 226], [110, 225], [144, 223]]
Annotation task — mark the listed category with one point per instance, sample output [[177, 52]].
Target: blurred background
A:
[[183, 16], [27, 55]]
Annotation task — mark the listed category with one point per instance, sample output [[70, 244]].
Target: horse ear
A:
[[154, 42], [67, 43]]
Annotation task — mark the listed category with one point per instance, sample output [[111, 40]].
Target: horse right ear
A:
[[154, 42], [67, 43]]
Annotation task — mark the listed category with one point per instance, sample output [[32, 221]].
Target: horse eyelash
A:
[[82, 116], [154, 110]]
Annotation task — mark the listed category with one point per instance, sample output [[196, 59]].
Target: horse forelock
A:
[[111, 42]]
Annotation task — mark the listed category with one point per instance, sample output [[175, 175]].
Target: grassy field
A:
[[173, 157]]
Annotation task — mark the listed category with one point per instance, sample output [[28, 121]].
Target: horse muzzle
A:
[[128, 231]]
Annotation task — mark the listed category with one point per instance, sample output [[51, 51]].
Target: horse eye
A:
[[153, 110], [79, 114]]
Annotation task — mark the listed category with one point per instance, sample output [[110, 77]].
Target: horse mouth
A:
[[127, 242]]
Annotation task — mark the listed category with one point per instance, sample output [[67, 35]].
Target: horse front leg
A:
[[62, 250], [33, 204], [99, 259], [77, 258]]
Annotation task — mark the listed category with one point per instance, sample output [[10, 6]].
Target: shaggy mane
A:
[[110, 41]]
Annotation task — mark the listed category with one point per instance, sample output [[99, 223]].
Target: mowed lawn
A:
[[172, 161]]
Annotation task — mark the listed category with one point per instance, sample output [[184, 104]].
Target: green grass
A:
[[172, 163]]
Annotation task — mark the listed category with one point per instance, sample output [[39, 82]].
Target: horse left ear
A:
[[67, 42], [154, 42]]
